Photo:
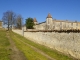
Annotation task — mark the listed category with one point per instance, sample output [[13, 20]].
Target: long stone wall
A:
[[68, 43]]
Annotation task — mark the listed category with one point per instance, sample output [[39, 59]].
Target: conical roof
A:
[[34, 20], [49, 16]]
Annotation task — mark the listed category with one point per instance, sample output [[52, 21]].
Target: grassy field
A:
[[28, 51], [33, 55], [4, 44]]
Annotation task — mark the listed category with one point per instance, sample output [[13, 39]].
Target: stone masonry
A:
[[67, 43]]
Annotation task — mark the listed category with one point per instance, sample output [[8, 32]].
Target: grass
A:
[[54, 54], [27, 50], [4, 44]]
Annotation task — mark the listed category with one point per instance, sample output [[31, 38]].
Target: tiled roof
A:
[[34, 20], [60, 20], [49, 16], [65, 21]]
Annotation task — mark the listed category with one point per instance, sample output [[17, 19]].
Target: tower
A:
[[49, 21], [35, 21]]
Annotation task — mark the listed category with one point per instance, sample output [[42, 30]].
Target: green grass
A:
[[4, 44], [54, 54], [27, 50]]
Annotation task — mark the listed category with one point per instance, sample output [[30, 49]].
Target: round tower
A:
[[49, 21]]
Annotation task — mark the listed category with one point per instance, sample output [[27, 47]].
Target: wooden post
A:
[[22, 31]]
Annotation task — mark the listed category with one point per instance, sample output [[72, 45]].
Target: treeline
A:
[[11, 19]]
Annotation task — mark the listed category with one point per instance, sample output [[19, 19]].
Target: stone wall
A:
[[41, 26], [68, 43]]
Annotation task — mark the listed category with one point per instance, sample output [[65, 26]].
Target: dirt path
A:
[[38, 50], [16, 53]]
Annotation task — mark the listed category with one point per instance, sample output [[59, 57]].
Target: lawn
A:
[[27, 50], [4, 44], [33, 55]]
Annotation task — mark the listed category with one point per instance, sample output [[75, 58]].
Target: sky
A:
[[39, 9]]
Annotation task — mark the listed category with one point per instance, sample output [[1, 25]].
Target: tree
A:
[[29, 23], [19, 21], [8, 18]]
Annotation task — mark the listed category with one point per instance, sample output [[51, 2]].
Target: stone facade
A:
[[52, 24]]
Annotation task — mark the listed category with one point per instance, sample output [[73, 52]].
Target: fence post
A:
[[22, 31]]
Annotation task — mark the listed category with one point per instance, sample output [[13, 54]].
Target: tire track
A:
[[38, 50], [16, 53]]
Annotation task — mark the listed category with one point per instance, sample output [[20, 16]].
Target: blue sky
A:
[[39, 9]]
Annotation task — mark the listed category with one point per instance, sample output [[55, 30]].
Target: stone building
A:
[[53, 24]]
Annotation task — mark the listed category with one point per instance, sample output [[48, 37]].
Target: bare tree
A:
[[19, 21], [8, 18]]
